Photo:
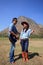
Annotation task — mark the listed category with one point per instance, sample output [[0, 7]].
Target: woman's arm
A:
[[32, 31]]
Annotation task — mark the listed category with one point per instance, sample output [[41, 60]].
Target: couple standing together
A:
[[24, 39]]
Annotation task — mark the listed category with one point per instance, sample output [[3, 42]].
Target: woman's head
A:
[[25, 25]]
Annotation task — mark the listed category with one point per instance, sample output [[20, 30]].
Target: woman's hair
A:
[[14, 19], [26, 28]]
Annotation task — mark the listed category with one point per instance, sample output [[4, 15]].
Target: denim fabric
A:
[[25, 35], [24, 45], [13, 41], [12, 52], [12, 28]]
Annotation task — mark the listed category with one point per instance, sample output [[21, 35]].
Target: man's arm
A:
[[11, 32], [15, 35]]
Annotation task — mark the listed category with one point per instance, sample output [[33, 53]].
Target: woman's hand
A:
[[32, 31]]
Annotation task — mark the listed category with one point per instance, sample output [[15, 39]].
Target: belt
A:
[[24, 39]]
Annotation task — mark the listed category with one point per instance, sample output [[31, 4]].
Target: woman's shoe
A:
[[26, 56], [23, 56]]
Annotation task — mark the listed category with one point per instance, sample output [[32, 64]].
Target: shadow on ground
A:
[[30, 55]]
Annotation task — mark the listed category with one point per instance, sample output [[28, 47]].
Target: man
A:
[[13, 36]]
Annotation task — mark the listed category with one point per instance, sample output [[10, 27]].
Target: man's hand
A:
[[17, 36]]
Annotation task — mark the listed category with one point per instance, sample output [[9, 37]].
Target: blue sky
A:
[[15, 8]]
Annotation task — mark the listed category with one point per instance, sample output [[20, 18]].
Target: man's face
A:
[[15, 21]]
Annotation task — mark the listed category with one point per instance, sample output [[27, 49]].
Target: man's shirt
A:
[[13, 29]]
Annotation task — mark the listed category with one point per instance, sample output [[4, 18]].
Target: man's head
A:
[[14, 20]]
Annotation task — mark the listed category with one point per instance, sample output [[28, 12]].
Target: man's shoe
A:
[[12, 62]]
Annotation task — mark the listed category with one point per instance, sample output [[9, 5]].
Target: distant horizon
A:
[[23, 16], [14, 8]]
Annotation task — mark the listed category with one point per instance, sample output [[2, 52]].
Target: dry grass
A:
[[35, 52]]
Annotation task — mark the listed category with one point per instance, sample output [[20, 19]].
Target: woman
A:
[[24, 39]]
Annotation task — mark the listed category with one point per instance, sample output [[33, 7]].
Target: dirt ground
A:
[[35, 53]]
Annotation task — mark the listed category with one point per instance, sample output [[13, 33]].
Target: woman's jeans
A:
[[24, 45]]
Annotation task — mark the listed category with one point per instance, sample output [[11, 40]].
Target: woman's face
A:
[[24, 26]]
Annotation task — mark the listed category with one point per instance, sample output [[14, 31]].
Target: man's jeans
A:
[[12, 52], [13, 41]]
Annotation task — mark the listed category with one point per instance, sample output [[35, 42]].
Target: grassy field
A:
[[35, 53]]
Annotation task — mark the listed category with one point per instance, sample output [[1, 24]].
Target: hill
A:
[[38, 29]]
